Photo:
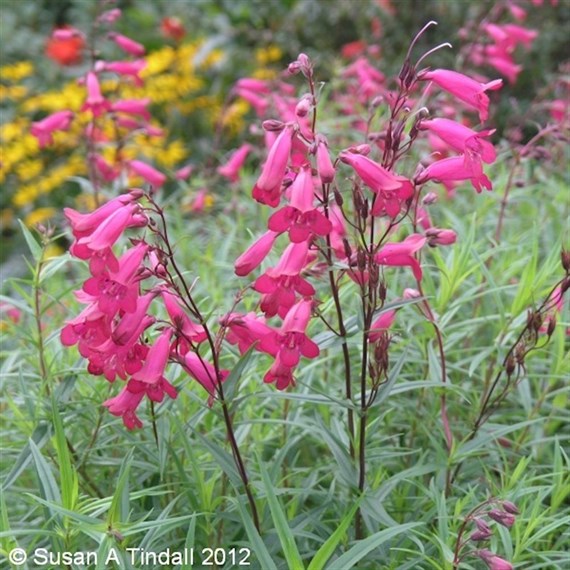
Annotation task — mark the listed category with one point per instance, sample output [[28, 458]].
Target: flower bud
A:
[[411, 293], [510, 508], [304, 106], [273, 125], [480, 535], [503, 518], [429, 198]]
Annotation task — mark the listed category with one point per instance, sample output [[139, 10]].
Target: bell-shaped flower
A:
[[150, 174], [381, 324], [301, 219], [252, 257], [231, 168], [44, 129], [291, 342], [493, 561], [325, 166], [156, 359], [131, 69], [187, 332], [204, 372], [245, 330], [471, 92], [127, 44], [455, 169], [95, 102], [267, 189], [280, 375], [402, 254], [133, 107]]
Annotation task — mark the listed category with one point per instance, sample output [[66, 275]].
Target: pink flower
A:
[[44, 129], [259, 103], [381, 324], [464, 88], [231, 168], [391, 190], [133, 107], [95, 102], [127, 44], [502, 517], [186, 331], [325, 166], [184, 172], [126, 68], [107, 172], [493, 561], [402, 254], [156, 360], [267, 189], [280, 283], [280, 375], [245, 330], [109, 231], [462, 139], [291, 342], [204, 372], [150, 174], [115, 291], [13, 313], [301, 219], [454, 169], [255, 254]]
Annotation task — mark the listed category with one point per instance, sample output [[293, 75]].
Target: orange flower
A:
[[65, 49]]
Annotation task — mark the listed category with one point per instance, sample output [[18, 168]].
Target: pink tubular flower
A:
[[391, 189], [108, 232], [279, 284], [464, 88], [187, 332], [454, 169], [381, 324], [231, 168], [115, 291], [280, 375], [150, 174], [255, 254], [267, 189], [127, 44], [462, 139], [44, 129], [245, 330], [184, 172], [402, 254], [110, 16], [156, 360], [325, 166], [493, 561], [204, 372], [301, 219], [126, 68], [291, 342], [95, 102], [133, 107]]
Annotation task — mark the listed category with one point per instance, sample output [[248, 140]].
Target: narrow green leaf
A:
[[257, 545], [281, 525], [327, 549], [232, 380], [363, 547], [34, 247], [119, 506]]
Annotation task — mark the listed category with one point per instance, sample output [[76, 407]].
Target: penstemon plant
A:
[[349, 207]]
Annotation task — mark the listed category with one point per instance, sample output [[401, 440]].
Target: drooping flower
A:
[[95, 101], [204, 372], [402, 254], [493, 561], [267, 189], [231, 168], [255, 254], [454, 169], [150, 174], [471, 92], [127, 44], [44, 129]]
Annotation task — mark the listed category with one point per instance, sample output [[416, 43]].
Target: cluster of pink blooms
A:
[[296, 179], [109, 332], [128, 115]]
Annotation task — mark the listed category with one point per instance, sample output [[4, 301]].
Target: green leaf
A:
[[327, 549], [35, 248], [286, 537], [255, 541], [231, 381], [120, 505], [350, 558]]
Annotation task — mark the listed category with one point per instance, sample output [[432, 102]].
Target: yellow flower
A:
[[17, 71], [39, 215], [268, 54]]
